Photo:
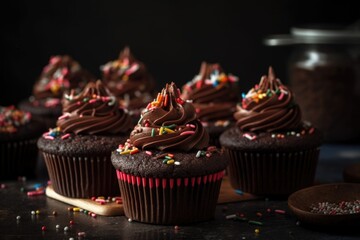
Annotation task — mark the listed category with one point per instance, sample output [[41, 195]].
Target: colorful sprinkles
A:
[[215, 78], [340, 208], [11, 119]]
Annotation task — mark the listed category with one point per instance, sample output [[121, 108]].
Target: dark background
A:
[[170, 37]]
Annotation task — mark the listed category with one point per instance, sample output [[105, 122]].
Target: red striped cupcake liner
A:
[[170, 200]]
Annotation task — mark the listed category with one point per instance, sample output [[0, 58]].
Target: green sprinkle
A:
[[153, 132], [165, 160], [255, 223], [167, 157], [171, 126], [85, 99]]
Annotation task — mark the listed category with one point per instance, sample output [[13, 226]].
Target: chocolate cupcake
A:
[[61, 74], [271, 150], [166, 171], [77, 152], [129, 80], [214, 95], [18, 151]]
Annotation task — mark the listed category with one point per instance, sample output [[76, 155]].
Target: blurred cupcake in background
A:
[[18, 135], [129, 80], [61, 74], [214, 95]]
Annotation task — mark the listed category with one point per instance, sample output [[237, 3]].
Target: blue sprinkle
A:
[[238, 191], [243, 95]]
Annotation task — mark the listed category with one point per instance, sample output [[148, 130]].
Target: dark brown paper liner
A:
[[271, 173], [82, 177], [170, 200], [18, 159]]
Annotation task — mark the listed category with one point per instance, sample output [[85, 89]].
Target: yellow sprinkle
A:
[[155, 103], [171, 161], [76, 209], [161, 131], [169, 130], [125, 152]]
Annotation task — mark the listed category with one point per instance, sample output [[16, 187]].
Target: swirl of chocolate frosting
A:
[[93, 111], [268, 107], [213, 93], [62, 73], [128, 79], [169, 123]]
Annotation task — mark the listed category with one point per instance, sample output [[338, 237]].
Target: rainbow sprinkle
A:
[[11, 119]]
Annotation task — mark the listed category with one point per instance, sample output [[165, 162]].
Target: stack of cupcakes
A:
[[77, 152], [271, 150], [167, 173], [129, 80], [214, 95]]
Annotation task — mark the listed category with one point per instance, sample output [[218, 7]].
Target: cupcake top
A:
[[17, 124], [213, 92], [128, 79], [93, 111], [268, 107], [269, 118], [61, 74], [169, 141], [169, 123]]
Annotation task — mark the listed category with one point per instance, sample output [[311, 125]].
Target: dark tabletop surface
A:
[[14, 203]]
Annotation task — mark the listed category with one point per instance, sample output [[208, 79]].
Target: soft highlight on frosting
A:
[[268, 107], [169, 123], [213, 92], [93, 111], [128, 79]]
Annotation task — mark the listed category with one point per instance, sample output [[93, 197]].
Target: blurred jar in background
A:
[[324, 73]]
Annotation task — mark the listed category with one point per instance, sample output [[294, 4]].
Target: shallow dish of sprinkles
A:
[[327, 205]]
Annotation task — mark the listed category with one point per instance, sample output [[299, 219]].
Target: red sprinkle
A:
[[279, 211]]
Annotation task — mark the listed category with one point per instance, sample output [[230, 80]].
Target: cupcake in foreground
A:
[[214, 95], [61, 74], [129, 80], [167, 172], [271, 150], [18, 151], [77, 152]]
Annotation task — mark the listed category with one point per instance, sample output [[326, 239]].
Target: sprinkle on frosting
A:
[[93, 111], [268, 107], [128, 79], [57, 77], [169, 122], [213, 92], [11, 119]]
